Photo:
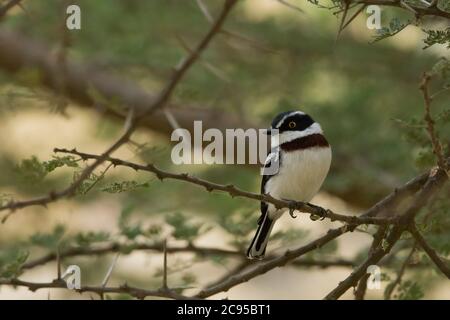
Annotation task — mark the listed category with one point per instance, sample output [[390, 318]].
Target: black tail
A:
[[258, 246]]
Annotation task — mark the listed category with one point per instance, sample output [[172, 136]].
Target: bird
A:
[[301, 155]]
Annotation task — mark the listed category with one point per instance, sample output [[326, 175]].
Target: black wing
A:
[[271, 160]]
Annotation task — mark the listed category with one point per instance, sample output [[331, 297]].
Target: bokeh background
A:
[[274, 58]]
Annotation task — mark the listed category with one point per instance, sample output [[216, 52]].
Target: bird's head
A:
[[292, 125]]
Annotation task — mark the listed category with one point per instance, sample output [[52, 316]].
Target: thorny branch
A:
[[437, 147], [419, 10], [434, 183], [442, 266], [236, 192], [387, 204], [390, 289], [362, 284], [100, 290]]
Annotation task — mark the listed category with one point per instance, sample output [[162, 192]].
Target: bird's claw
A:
[[321, 213], [292, 207]]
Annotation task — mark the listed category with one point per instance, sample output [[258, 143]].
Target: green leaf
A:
[[49, 240], [87, 238], [58, 162], [124, 186], [11, 263], [130, 231], [87, 184], [34, 171], [31, 170], [409, 290], [183, 229], [395, 26], [289, 236], [437, 37]]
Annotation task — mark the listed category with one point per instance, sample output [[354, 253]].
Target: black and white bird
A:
[[303, 156]]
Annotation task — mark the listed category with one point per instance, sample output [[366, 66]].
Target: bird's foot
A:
[[292, 207], [320, 213]]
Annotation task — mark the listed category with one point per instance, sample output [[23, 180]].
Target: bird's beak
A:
[[268, 131]]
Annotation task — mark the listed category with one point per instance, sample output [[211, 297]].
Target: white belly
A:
[[301, 175]]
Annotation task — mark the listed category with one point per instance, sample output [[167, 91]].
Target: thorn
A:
[[164, 284], [110, 270], [58, 264]]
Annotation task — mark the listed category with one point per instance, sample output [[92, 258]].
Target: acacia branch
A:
[[114, 247], [236, 192], [376, 242], [81, 80], [386, 204], [135, 292], [437, 147], [390, 289], [271, 264], [442, 266], [434, 183], [419, 10], [70, 191]]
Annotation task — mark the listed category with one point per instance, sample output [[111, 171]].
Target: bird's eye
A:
[[292, 124]]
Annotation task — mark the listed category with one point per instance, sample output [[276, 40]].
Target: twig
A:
[[420, 11], [8, 6], [408, 7], [185, 64], [211, 68], [123, 289], [205, 11], [70, 190], [58, 264], [244, 264], [376, 242], [361, 289], [272, 264], [344, 16], [236, 192], [164, 284], [114, 247], [102, 175], [431, 187], [390, 289], [110, 270], [437, 147], [118, 247], [442, 266], [353, 17], [291, 6], [232, 34]]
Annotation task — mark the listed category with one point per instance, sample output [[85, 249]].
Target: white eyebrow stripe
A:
[[288, 136], [286, 116]]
